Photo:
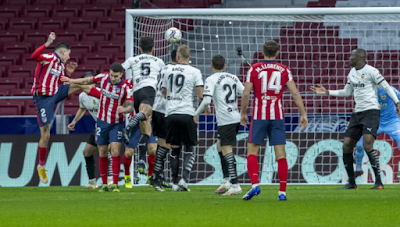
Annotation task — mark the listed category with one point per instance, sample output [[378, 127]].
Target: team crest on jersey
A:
[[383, 97], [362, 76]]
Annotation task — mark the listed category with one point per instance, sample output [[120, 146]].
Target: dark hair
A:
[[86, 74], [117, 67], [270, 48], [146, 43], [218, 62], [62, 45], [173, 55], [361, 53]]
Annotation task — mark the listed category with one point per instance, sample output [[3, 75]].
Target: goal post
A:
[[315, 43]]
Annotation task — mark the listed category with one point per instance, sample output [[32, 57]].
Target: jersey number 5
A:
[[274, 82], [145, 69]]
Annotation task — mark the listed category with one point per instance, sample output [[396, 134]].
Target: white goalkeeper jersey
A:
[[224, 89], [180, 81], [159, 101], [364, 83], [145, 70], [90, 103]]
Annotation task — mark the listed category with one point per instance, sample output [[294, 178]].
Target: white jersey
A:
[[364, 83], [180, 81], [145, 70], [159, 101], [90, 103], [224, 88]]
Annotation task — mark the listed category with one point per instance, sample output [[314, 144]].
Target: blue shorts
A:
[[135, 137], [108, 133], [275, 129], [44, 105]]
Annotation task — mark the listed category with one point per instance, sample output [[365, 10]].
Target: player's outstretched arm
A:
[[244, 119], [205, 104], [86, 80], [299, 103], [79, 114], [320, 90], [127, 108], [38, 54]]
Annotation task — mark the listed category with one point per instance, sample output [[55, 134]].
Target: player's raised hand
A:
[[70, 68], [71, 126], [50, 39], [303, 122], [319, 89], [244, 120]]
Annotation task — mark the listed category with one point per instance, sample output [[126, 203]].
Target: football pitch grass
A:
[[142, 206]]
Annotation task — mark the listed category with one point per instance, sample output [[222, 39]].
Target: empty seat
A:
[[3, 93], [28, 82], [96, 59], [80, 23], [48, 2], [17, 48], [29, 108], [110, 22], [8, 59], [37, 11], [85, 68], [10, 83], [66, 11], [51, 23], [67, 35], [76, 2], [119, 10], [71, 106], [26, 60], [10, 36], [96, 34], [20, 71], [10, 107], [7, 11], [33, 36], [95, 11], [82, 47], [20, 92], [118, 34], [17, 2], [104, 68], [119, 57], [22, 24], [110, 47], [3, 23]]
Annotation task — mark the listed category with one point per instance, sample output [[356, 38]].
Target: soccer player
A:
[[362, 80], [267, 78], [160, 128], [115, 100], [178, 88], [47, 92], [389, 123], [223, 88], [145, 71]]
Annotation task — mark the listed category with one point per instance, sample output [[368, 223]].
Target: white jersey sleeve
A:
[[209, 87]]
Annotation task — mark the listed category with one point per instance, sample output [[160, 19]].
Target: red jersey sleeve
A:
[[39, 56], [98, 78], [95, 92]]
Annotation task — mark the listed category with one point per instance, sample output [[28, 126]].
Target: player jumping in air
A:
[[223, 88], [115, 94], [389, 123], [362, 80], [268, 78], [145, 71], [177, 88]]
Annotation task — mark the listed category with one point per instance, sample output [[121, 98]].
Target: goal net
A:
[[317, 49]]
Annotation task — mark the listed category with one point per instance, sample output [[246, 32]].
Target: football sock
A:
[[110, 171], [175, 153], [348, 164], [143, 147], [135, 121], [190, 156], [253, 168], [42, 156], [160, 159], [359, 157], [127, 163], [151, 160], [223, 164], [231, 164], [374, 160], [116, 166], [103, 165], [90, 166], [282, 174]]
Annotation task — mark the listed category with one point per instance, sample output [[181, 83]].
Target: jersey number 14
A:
[[274, 82]]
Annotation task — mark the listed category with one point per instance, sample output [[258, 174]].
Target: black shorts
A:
[[159, 125], [366, 122], [92, 140], [181, 130], [227, 134], [143, 95]]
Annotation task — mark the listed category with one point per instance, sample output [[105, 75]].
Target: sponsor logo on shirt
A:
[[174, 98], [55, 72], [109, 94]]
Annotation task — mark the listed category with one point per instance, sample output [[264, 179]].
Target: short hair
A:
[[361, 53], [218, 62], [62, 45], [146, 43], [184, 51], [117, 67], [87, 74], [270, 48], [173, 55]]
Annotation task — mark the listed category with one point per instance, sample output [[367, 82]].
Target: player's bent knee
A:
[[129, 152]]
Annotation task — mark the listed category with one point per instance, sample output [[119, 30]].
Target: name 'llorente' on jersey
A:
[[224, 88], [145, 70], [180, 80], [269, 79], [364, 82], [89, 103], [159, 101]]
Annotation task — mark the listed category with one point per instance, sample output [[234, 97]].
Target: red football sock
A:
[[151, 160], [282, 174], [103, 165], [42, 155], [116, 167], [127, 164], [253, 168]]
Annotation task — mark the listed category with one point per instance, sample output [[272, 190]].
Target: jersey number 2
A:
[[274, 82]]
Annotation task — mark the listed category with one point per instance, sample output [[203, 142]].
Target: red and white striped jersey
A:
[[48, 72], [112, 96], [268, 78]]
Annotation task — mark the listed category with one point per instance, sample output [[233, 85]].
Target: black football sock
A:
[[190, 156], [374, 160], [231, 163], [174, 160], [143, 147], [223, 164], [348, 164], [161, 154], [90, 166]]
